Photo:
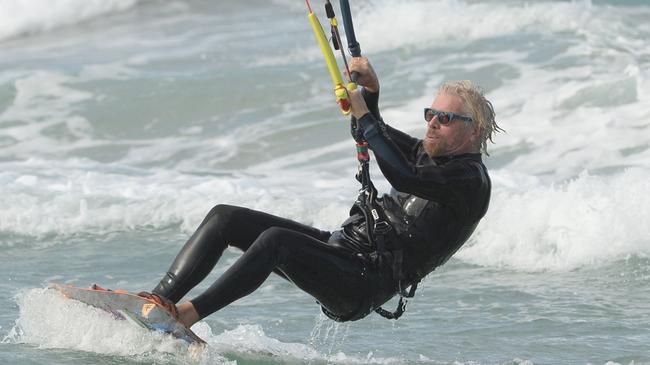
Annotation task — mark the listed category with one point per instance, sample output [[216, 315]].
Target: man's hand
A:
[[367, 76], [357, 104]]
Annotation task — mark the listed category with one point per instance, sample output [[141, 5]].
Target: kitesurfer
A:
[[441, 190]]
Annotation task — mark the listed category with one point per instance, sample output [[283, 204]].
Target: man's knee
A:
[[272, 240], [220, 216], [272, 235], [221, 211]]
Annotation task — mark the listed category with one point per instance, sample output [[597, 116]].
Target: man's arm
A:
[[428, 181], [372, 101], [407, 144]]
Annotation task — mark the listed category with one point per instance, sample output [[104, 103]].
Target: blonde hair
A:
[[476, 106]]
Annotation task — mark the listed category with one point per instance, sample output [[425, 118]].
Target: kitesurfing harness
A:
[[379, 230]]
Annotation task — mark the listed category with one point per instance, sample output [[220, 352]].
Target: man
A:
[[441, 191]]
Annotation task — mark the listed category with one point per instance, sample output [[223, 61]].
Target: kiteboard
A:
[[128, 306]]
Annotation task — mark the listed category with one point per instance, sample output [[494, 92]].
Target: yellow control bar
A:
[[332, 66]]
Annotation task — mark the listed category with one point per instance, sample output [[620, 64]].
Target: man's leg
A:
[[224, 225], [335, 277]]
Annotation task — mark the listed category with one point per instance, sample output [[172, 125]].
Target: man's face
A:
[[454, 138]]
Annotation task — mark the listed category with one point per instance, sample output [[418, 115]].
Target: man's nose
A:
[[433, 123]]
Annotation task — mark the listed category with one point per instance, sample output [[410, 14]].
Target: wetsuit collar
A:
[[446, 158]]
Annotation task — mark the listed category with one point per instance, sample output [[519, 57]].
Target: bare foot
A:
[[187, 315]]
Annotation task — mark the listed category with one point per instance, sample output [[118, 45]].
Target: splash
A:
[[589, 221], [49, 321]]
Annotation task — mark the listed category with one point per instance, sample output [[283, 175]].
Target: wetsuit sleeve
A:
[[372, 102], [432, 182], [407, 144]]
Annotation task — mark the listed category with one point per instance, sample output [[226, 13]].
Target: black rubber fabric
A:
[[346, 284]]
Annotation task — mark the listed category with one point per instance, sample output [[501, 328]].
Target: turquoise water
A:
[[123, 122]]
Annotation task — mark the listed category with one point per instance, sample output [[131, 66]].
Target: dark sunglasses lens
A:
[[428, 115], [443, 118]]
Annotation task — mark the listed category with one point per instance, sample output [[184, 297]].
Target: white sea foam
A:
[[85, 196], [19, 17], [573, 122], [423, 23], [387, 25], [48, 320], [588, 221], [44, 111]]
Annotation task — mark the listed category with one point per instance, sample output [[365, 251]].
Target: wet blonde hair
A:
[[476, 106]]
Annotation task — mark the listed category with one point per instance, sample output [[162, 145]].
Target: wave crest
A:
[[22, 17], [589, 221]]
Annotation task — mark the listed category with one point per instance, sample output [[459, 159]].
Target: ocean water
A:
[[122, 122]]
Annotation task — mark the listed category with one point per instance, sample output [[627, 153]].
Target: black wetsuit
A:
[[434, 207]]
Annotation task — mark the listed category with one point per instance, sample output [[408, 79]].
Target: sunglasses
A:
[[444, 118]]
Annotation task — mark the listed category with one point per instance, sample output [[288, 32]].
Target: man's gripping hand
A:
[[367, 76]]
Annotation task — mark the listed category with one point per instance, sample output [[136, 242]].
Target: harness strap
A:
[[378, 229], [401, 305]]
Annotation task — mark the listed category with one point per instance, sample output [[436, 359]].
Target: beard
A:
[[434, 147]]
